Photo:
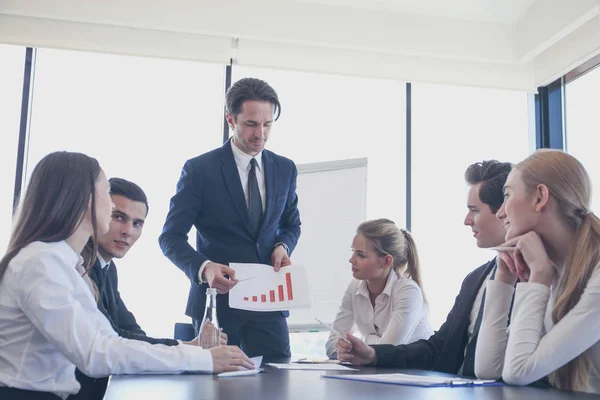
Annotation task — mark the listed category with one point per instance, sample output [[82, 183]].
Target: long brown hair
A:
[[387, 238], [58, 194], [569, 184]]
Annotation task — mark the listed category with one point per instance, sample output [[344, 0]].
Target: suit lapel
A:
[[271, 185], [233, 183], [480, 281]]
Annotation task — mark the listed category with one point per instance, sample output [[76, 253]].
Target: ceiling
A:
[[512, 44], [495, 11]]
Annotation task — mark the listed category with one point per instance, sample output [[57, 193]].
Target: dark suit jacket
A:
[[444, 351], [210, 197], [113, 307]]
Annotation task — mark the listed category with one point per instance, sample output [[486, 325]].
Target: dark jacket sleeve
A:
[[121, 319], [184, 209], [289, 224], [425, 354], [421, 354], [136, 335], [126, 320]]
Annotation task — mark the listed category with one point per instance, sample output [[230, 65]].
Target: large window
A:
[[12, 63], [142, 119], [453, 127], [582, 126], [327, 118], [331, 117]]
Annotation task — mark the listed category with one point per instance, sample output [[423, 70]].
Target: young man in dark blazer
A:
[[451, 349], [242, 200], [128, 215]]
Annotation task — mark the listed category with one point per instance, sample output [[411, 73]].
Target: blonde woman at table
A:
[[554, 250], [385, 298], [49, 320]]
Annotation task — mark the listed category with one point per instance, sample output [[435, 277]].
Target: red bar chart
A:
[[286, 293], [261, 288]]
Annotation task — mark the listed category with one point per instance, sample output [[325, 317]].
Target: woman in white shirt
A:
[[49, 320], [385, 298], [554, 250]]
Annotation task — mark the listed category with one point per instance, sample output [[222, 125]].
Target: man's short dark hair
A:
[[250, 89], [492, 175], [127, 189]]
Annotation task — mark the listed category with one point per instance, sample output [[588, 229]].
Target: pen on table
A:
[[333, 331]]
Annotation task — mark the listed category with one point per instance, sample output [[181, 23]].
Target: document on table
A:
[[313, 367], [257, 361], [317, 361], [260, 288], [416, 380]]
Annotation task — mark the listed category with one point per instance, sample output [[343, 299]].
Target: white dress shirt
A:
[[399, 316], [242, 161], [103, 264], [536, 346], [50, 323]]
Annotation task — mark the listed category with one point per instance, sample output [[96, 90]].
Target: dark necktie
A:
[[468, 367], [254, 200]]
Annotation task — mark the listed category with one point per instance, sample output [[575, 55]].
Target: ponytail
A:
[[413, 266]]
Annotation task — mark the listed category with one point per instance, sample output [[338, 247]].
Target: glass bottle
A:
[[210, 334]]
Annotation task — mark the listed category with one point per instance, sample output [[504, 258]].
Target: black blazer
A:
[[210, 197], [444, 351], [113, 307]]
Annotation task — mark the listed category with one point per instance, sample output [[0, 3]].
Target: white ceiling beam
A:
[[553, 36], [389, 66], [292, 22], [48, 33], [549, 21], [572, 51]]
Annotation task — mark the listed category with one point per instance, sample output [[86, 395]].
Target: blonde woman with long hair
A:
[[385, 299], [553, 248]]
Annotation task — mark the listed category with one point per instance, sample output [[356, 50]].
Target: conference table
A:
[[308, 385]]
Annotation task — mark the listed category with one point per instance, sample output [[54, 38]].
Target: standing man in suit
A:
[[451, 349], [242, 200]]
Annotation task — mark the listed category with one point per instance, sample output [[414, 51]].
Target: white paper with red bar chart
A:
[[260, 288]]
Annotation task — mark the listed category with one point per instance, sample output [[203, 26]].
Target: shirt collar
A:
[[103, 263], [243, 160], [362, 288]]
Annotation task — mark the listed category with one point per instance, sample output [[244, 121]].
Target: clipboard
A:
[[416, 380]]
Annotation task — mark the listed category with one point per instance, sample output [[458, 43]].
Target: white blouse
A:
[[536, 346], [50, 323], [400, 315]]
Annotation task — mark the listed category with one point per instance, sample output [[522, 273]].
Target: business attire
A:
[[113, 307], [50, 323], [536, 346], [213, 194], [104, 275], [446, 349], [399, 316]]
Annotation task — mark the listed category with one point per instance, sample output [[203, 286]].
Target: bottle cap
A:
[[211, 291]]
